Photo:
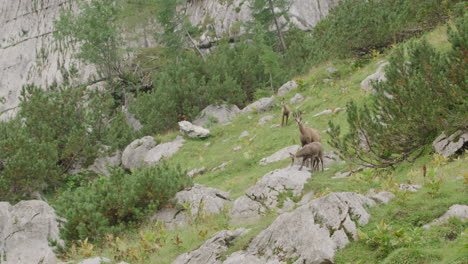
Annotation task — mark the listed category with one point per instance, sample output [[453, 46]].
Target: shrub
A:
[[108, 204]]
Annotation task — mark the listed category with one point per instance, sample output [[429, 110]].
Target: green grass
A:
[[409, 211]]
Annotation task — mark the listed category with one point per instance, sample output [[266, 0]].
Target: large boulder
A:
[[222, 113], [210, 251], [312, 233], [25, 232], [285, 88], [192, 130], [134, 154], [379, 75], [281, 154], [447, 146], [262, 105], [165, 150]]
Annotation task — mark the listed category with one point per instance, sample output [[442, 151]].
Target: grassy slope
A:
[[243, 171]]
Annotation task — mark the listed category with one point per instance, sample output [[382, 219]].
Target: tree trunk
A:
[[278, 30]]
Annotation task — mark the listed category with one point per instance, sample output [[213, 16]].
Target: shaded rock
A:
[[246, 210], [210, 251], [332, 70], [196, 172], [165, 150], [262, 105], [212, 200], [285, 88], [297, 98], [100, 165], [383, 197], [324, 224], [379, 75], [409, 187], [220, 167], [25, 232], [265, 119], [244, 134], [223, 113], [447, 146], [134, 154], [457, 210], [280, 155], [193, 131], [172, 218]]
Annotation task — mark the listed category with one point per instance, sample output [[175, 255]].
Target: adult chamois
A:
[[307, 134]]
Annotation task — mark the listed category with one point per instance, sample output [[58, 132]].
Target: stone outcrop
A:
[[281, 154], [101, 164], [222, 114], [196, 172], [457, 210], [265, 119], [262, 105], [210, 251], [297, 98], [379, 75], [25, 231], [448, 146], [192, 130], [134, 154], [285, 88], [165, 150]]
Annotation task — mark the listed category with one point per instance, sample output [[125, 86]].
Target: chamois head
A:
[[298, 117]]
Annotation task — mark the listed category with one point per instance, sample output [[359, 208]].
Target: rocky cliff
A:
[[29, 54]]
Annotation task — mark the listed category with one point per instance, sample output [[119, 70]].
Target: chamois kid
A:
[[312, 152], [286, 112]]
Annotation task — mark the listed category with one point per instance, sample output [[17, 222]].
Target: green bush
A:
[[108, 204], [412, 256]]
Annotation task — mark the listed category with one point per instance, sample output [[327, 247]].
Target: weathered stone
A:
[[280, 155], [172, 218], [457, 210], [193, 131], [220, 167], [285, 88], [25, 232], [204, 199], [265, 119], [383, 197], [330, 111], [100, 165], [379, 75], [297, 98], [196, 172], [96, 260], [275, 126], [409, 187], [246, 210], [327, 80], [332, 70], [134, 154], [447, 146], [131, 119], [222, 113], [165, 150], [237, 148], [243, 257], [262, 105], [210, 251], [244, 134]]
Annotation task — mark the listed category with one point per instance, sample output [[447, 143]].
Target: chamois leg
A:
[[303, 161], [282, 119], [287, 118]]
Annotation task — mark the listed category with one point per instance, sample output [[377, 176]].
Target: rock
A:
[[272, 184], [207, 144], [447, 146], [285, 88], [262, 105], [280, 155], [265, 119], [409, 187], [96, 260], [383, 197], [131, 120], [196, 172], [220, 167], [237, 148], [330, 111], [212, 200], [324, 224], [100, 165], [297, 98], [243, 257], [165, 150], [134, 154], [223, 113], [172, 218], [245, 210], [379, 75], [330, 158], [340, 175], [193, 131], [244, 134], [25, 231], [457, 210], [275, 126], [327, 80], [332, 70], [306, 198], [210, 251]]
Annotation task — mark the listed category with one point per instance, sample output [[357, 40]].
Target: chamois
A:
[[286, 112], [312, 152], [308, 135]]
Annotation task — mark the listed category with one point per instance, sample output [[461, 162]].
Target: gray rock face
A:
[[134, 154], [204, 199], [457, 210], [285, 88], [262, 105], [193, 131], [246, 210], [100, 164], [25, 231], [172, 218], [96, 260], [222, 113], [165, 150], [265, 119], [324, 224], [297, 98], [447, 146], [379, 75], [210, 251], [131, 119], [280, 155]]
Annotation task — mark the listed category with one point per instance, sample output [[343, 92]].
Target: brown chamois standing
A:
[[312, 152], [307, 134], [286, 112]]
